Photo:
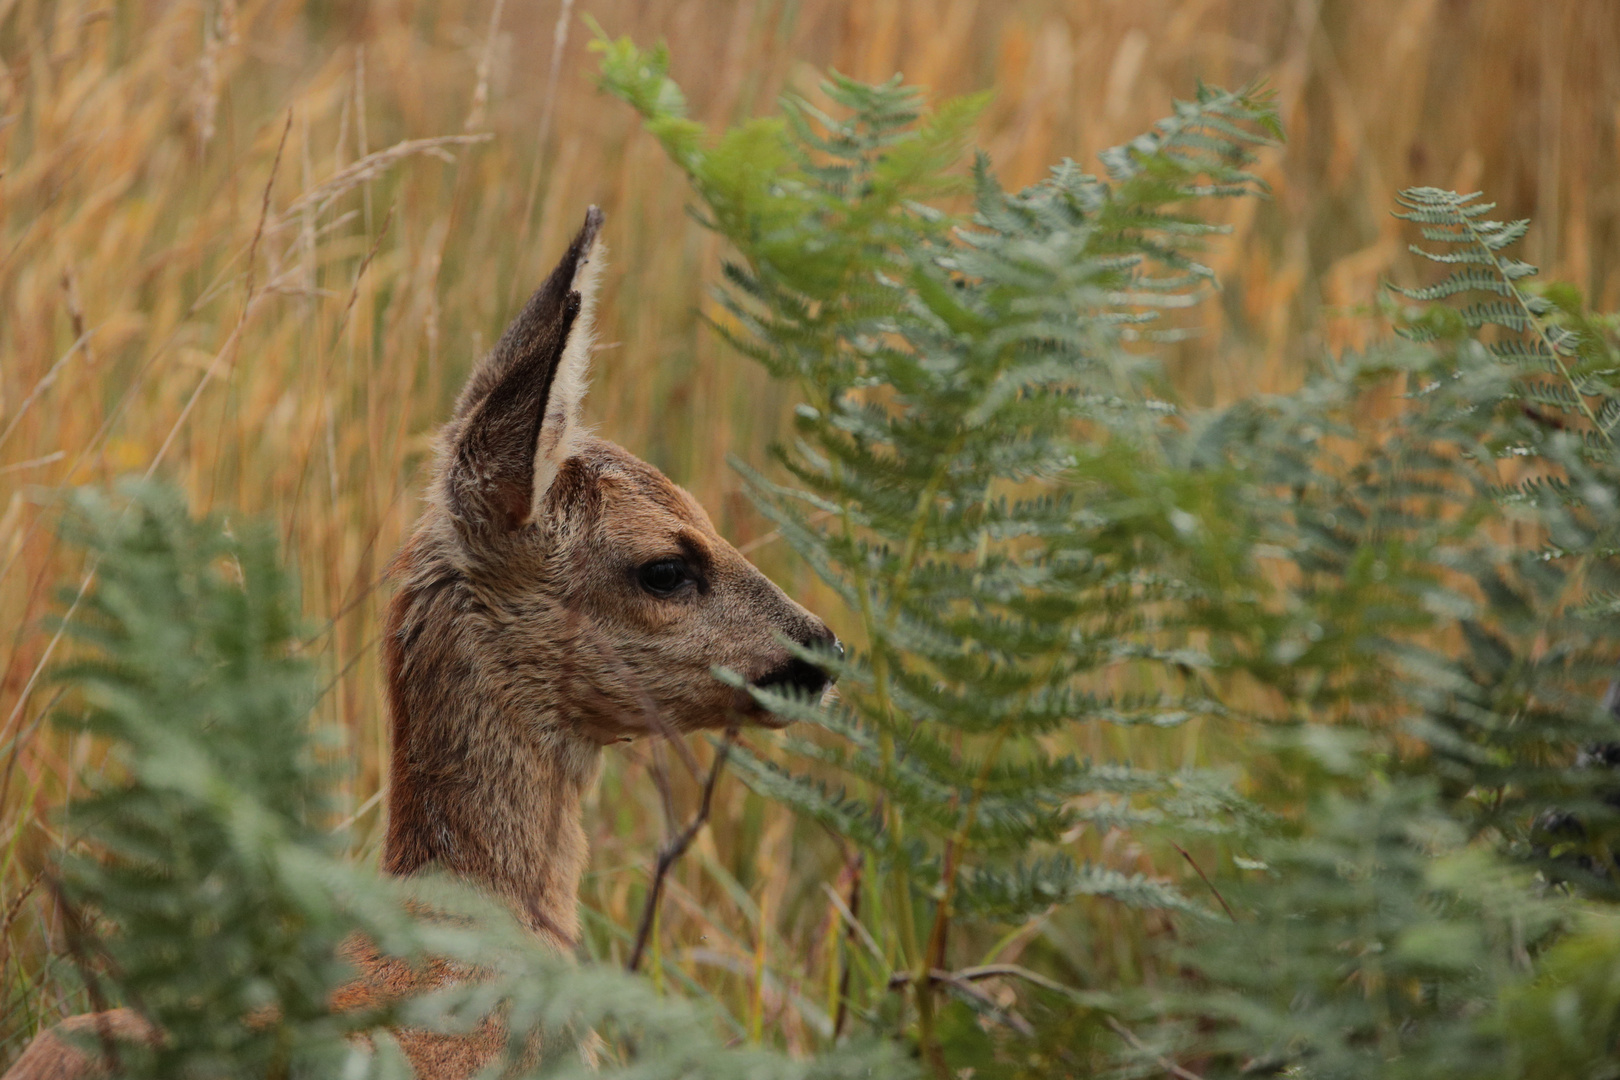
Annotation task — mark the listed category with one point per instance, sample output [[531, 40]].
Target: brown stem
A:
[[1199, 870], [991, 971], [75, 933], [675, 847], [856, 863], [1136, 1044], [963, 984]]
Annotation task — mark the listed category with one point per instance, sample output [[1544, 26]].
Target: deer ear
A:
[[518, 415]]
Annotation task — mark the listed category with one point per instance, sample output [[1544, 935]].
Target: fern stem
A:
[[921, 983], [893, 819], [953, 848]]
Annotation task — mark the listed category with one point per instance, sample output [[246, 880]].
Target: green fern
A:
[[1475, 246], [1016, 514], [207, 860], [1463, 550], [956, 375]]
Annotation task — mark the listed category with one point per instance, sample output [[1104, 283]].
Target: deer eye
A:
[[664, 577]]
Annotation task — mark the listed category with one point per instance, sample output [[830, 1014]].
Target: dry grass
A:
[[253, 245]]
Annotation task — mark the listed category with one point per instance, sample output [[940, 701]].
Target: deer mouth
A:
[[795, 677]]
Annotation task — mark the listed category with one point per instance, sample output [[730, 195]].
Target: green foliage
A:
[[1400, 579], [968, 384], [1370, 945], [210, 859], [1457, 556], [1566, 1020]]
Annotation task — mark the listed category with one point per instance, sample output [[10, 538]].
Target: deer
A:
[[557, 595]]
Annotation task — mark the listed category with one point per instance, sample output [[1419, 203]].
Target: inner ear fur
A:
[[515, 415], [574, 273]]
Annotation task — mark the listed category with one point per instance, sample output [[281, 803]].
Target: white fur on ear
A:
[[561, 428]]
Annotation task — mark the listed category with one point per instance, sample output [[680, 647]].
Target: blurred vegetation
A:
[[255, 245]]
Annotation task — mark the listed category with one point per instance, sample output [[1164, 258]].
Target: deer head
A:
[[557, 594]]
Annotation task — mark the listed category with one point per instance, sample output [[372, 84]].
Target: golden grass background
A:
[[280, 335]]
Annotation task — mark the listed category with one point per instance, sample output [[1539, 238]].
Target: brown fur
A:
[[52, 1057], [524, 636]]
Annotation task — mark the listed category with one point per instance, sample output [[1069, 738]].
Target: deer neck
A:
[[484, 782]]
